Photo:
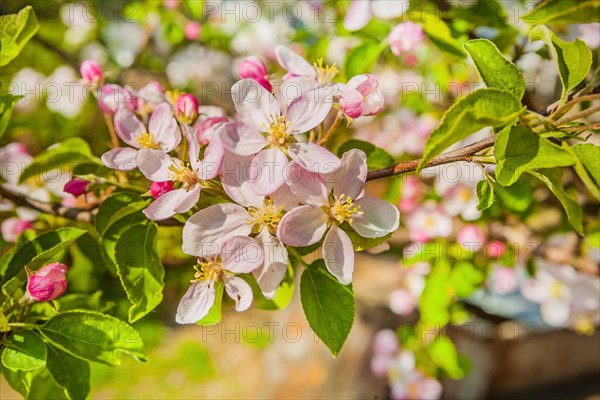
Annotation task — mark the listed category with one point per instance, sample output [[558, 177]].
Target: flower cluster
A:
[[272, 183]]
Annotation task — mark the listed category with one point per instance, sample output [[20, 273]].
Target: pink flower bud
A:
[[205, 128], [471, 237], [192, 30], [253, 68], [362, 97], [402, 302], [12, 227], [91, 71], [114, 97], [385, 342], [76, 187], [495, 250], [48, 283], [157, 189], [405, 38], [187, 108]]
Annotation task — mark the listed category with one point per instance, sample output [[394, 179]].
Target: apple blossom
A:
[[428, 222], [471, 237], [206, 128], [77, 186], [192, 30], [361, 96], [456, 184], [12, 227], [162, 135], [301, 73], [405, 38], [91, 71], [272, 136], [494, 249], [112, 98], [503, 280], [48, 283], [158, 166], [237, 255], [331, 201]]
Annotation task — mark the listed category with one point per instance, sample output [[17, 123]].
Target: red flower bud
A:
[[76, 187], [91, 71], [157, 189], [48, 283], [187, 108]]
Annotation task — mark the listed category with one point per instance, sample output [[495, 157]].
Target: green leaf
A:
[[71, 373], [587, 165], [477, 110], [553, 179], [519, 149], [116, 207], [495, 70], [4, 327], [7, 102], [15, 32], [328, 305], [20, 381], [437, 295], [485, 194], [440, 35], [25, 351], [214, 314], [573, 59], [139, 269], [64, 155], [44, 387], [564, 12], [444, 354], [517, 197], [466, 278], [39, 250], [361, 59], [377, 158], [93, 336]]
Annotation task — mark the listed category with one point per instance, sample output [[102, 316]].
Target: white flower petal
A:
[[241, 139], [154, 164], [163, 127], [303, 226], [308, 186], [239, 290], [121, 158], [241, 255], [338, 254], [358, 16], [165, 206], [293, 62], [378, 219], [268, 170], [309, 110], [313, 157], [273, 270], [235, 177], [196, 302], [350, 178], [254, 103], [128, 127]]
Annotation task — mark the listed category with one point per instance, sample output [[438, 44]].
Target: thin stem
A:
[[582, 128], [577, 116], [297, 255], [564, 109], [332, 128], [111, 129], [23, 325]]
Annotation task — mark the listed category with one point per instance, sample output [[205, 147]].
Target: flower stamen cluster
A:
[[344, 209], [146, 140], [267, 216], [325, 73], [211, 270], [278, 130], [182, 173]]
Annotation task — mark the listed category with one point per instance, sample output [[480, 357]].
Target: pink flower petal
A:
[[164, 207], [194, 145], [338, 254], [210, 166], [121, 158], [308, 186], [128, 127], [358, 15], [350, 178], [235, 177], [189, 200], [284, 197], [293, 62], [196, 302], [351, 102], [241, 254], [313, 157], [309, 110], [254, 103], [208, 229], [154, 164], [275, 265], [303, 226], [239, 290], [295, 87], [378, 219], [241, 139], [267, 172], [164, 128]]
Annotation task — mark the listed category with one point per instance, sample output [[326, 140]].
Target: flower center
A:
[[344, 209], [181, 173], [266, 216], [147, 141], [556, 289], [210, 270], [278, 130], [325, 73]]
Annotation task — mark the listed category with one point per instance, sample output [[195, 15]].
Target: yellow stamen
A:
[[278, 130], [556, 289], [344, 209], [181, 173], [146, 140], [267, 216], [325, 74], [208, 270]]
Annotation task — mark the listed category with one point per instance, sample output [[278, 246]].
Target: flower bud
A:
[[157, 189], [114, 97], [48, 283], [192, 30], [187, 108], [76, 186], [405, 38], [361, 97], [495, 249], [91, 71], [205, 129], [12, 227], [253, 68]]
